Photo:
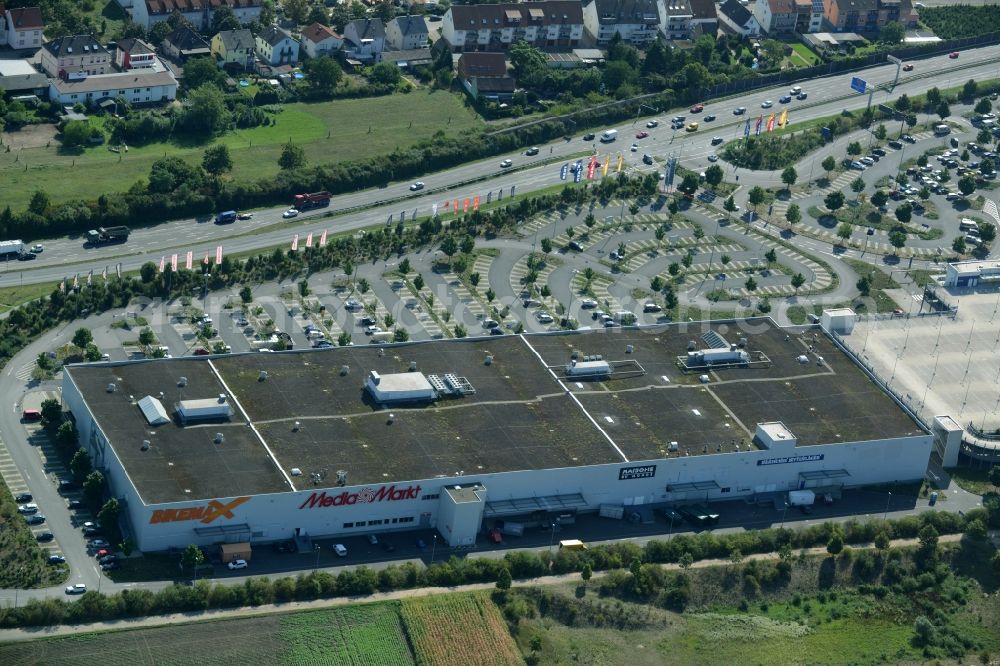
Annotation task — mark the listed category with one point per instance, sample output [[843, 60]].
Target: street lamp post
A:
[[434, 547], [552, 536], [318, 549], [783, 512], [885, 514]]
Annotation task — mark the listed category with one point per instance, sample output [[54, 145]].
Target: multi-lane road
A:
[[826, 96]]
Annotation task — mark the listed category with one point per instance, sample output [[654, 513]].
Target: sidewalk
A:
[[270, 609]]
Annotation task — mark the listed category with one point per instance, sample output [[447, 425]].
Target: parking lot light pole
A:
[[552, 536], [434, 547], [783, 512], [318, 550], [885, 514]]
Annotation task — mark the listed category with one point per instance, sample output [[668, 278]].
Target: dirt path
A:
[[9, 635]]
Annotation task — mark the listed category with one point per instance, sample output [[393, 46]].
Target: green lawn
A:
[[802, 56], [973, 480], [329, 131]]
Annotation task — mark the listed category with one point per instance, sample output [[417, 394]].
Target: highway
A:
[[826, 96]]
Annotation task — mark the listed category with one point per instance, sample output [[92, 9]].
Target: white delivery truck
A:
[[801, 498], [383, 336], [609, 136], [11, 247]]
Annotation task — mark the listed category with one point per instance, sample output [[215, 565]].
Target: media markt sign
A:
[[642, 472], [363, 496], [206, 513]]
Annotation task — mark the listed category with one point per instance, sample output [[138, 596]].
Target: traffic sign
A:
[[859, 85], [894, 60], [827, 133], [671, 170]]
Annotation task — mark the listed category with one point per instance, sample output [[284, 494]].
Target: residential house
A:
[[133, 53], [485, 75], [19, 77], [408, 57], [546, 24], [234, 49], [635, 21], [276, 47], [853, 15], [184, 43], [704, 18], [364, 40], [319, 40], [406, 33], [776, 17], [810, 16], [138, 87], [736, 19], [21, 28], [676, 22], [199, 12], [69, 56]]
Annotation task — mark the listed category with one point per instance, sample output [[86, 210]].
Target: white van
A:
[[942, 130], [609, 136], [383, 336]]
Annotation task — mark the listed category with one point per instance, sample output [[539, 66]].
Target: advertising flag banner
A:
[[456, 207], [189, 260], [671, 171], [309, 240], [770, 123], [162, 260], [90, 276], [322, 239], [607, 165], [784, 119], [76, 280], [563, 172], [578, 172], [621, 163], [475, 203], [295, 243], [465, 207], [205, 260], [104, 274], [434, 210], [591, 168], [62, 287], [760, 121], [746, 129], [173, 263], [118, 271], [489, 196], [218, 254]]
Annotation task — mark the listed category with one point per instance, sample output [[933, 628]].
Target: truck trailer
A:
[[11, 248], [801, 498], [312, 200], [104, 235]]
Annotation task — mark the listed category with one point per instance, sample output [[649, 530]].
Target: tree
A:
[[983, 106], [902, 103], [924, 193], [858, 185], [467, 244], [384, 73], [449, 245], [404, 266], [729, 204], [897, 239], [685, 560], [76, 133], [714, 175], [933, 96], [879, 198], [344, 339], [988, 231], [674, 269], [834, 200], [192, 557], [881, 132], [793, 214], [39, 202], [205, 112], [67, 438], [836, 544], [750, 284], [924, 629], [958, 245], [323, 75], [223, 18], [147, 272], [318, 14], [689, 185], [587, 572], [202, 71], [844, 231], [943, 110], [994, 475], [92, 353], [51, 413], [460, 331], [80, 465], [829, 164], [928, 539], [985, 137], [297, 10], [854, 149], [418, 281], [771, 256], [789, 176], [986, 166], [797, 281], [864, 285], [490, 295], [966, 185], [969, 89], [292, 157], [93, 489], [504, 579], [546, 245], [976, 530], [246, 295], [882, 542], [756, 197], [217, 160], [82, 337], [146, 337], [892, 33]]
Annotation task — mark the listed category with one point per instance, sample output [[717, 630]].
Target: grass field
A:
[[446, 629], [880, 281], [24, 564], [459, 629], [328, 131], [802, 56]]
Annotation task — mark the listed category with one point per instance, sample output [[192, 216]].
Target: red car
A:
[[642, 135], [201, 351], [907, 67], [697, 108], [953, 55]]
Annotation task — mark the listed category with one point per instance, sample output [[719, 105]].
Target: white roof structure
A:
[[153, 410], [204, 409], [399, 387]]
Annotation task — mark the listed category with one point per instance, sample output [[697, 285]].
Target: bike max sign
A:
[[364, 496]]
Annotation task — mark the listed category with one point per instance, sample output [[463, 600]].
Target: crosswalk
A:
[[642, 252], [25, 371], [465, 298], [422, 307]]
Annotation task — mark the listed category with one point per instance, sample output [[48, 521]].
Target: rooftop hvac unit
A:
[[145, 445], [819, 360], [161, 395], [673, 446], [341, 477], [219, 438], [629, 349], [692, 345], [413, 366], [703, 379], [489, 359], [345, 370], [296, 471], [183, 381], [803, 359], [262, 375], [295, 428], [222, 397], [112, 388]]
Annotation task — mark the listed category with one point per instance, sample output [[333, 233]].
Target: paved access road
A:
[[827, 96]]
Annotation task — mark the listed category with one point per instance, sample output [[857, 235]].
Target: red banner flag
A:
[[205, 260], [190, 260], [218, 255], [465, 208], [173, 263], [309, 240], [456, 207], [162, 260], [295, 243], [322, 239], [770, 123], [475, 203]]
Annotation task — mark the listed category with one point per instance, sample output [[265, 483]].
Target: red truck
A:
[[312, 200]]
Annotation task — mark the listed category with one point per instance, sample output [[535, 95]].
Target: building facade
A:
[[776, 17], [75, 55], [406, 33], [276, 46], [319, 40], [364, 40], [677, 16], [22, 27], [138, 87], [635, 21], [199, 12], [133, 53], [234, 48], [547, 24]]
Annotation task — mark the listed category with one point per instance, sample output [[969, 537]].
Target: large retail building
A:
[[457, 434]]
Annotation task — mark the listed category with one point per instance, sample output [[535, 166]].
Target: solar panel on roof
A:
[[714, 340]]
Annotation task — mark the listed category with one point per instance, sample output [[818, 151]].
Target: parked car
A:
[[373, 539], [23, 498], [237, 564], [57, 559], [26, 256], [387, 546], [651, 307], [44, 536], [36, 519], [713, 158], [100, 543], [111, 566], [641, 135], [340, 549], [588, 304], [27, 508], [79, 588], [544, 318], [716, 140], [107, 559]]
